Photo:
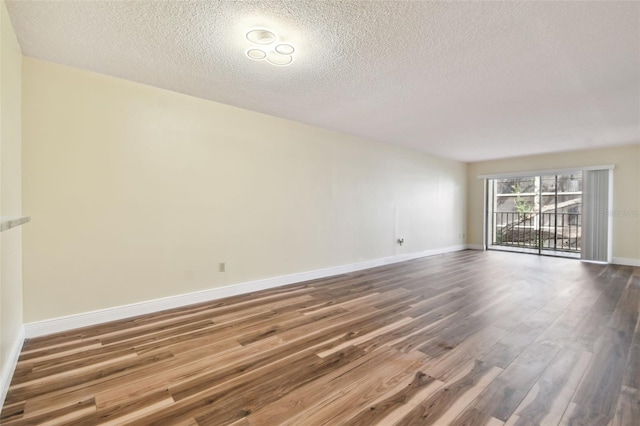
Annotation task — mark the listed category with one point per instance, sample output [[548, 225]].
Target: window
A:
[[540, 214]]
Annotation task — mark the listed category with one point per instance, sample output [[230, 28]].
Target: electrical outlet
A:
[[222, 267]]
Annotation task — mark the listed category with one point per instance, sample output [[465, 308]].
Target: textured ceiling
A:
[[464, 80]]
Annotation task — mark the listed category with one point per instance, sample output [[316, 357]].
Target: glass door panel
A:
[[535, 214]]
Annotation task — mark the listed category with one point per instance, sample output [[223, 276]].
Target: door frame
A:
[[502, 175]]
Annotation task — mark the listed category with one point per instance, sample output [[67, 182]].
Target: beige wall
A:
[[10, 188], [137, 193], [626, 189]]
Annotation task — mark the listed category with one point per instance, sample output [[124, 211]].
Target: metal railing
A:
[[542, 231]]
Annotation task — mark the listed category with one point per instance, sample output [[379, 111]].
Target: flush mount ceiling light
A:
[[261, 36], [256, 54], [276, 58], [266, 46], [285, 49]]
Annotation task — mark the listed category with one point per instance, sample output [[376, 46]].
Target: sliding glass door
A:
[[538, 214]]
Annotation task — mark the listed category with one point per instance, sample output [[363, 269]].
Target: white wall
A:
[[626, 190], [10, 197], [137, 193]]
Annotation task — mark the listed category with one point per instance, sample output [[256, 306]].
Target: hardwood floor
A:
[[468, 338]]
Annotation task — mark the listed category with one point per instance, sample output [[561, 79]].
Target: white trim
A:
[[10, 364], [475, 247], [626, 261], [55, 325], [596, 262], [485, 213], [545, 172]]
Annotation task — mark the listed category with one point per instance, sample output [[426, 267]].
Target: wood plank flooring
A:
[[468, 338]]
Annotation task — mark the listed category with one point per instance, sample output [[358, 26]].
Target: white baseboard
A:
[[626, 261], [55, 325], [9, 365], [475, 247]]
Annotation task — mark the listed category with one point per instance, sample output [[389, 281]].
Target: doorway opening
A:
[[536, 214]]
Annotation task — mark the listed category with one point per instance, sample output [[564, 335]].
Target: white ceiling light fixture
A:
[[266, 46], [256, 54], [276, 58], [285, 49], [261, 36]]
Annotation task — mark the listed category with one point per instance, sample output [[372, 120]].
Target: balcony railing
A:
[[546, 231]]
